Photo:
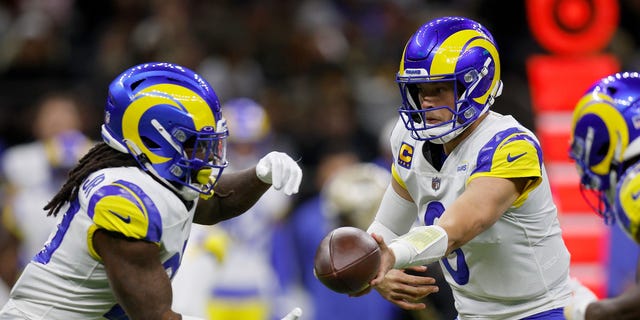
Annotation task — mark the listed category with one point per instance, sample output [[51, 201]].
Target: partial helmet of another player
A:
[[605, 139], [352, 195], [454, 49], [247, 120], [250, 135], [169, 118]]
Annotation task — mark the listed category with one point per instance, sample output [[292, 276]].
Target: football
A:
[[346, 260]]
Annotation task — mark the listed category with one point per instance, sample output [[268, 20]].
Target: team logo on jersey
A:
[[514, 158], [405, 155], [435, 183], [126, 219]]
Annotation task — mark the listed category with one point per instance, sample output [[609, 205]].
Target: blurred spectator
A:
[[32, 174]]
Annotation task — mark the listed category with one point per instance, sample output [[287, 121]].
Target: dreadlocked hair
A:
[[99, 157]]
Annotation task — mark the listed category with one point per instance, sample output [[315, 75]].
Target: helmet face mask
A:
[[453, 49], [169, 119], [604, 133]]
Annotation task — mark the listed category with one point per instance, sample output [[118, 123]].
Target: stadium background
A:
[[325, 72]]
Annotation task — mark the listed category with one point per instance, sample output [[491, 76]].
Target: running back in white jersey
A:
[[124, 200], [520, 265]]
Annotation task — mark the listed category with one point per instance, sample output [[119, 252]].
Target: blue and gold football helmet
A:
[[605, 142], [169, 119], [453, 49]]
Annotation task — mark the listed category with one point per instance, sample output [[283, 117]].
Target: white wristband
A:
[[420, 246], [191, 318]]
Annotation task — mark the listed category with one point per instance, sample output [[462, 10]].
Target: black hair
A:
[[99, 157]]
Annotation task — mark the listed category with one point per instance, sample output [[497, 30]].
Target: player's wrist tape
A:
[[422, 245]]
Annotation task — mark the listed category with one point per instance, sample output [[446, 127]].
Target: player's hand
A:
[[293, 314], [402, 289], [580, 299], [387, 259], [279, 170]]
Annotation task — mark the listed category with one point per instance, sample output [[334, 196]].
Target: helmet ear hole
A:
[[604, 148], [150, 144]]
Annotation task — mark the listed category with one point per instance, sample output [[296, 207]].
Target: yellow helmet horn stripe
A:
[[616, 126], [446, 58], [167, 94]]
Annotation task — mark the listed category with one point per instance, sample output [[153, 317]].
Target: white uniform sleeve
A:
[[395, 216]]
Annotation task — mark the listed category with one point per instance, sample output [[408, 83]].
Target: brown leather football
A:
[[347, 259]]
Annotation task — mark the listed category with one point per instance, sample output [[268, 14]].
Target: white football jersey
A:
[[520, 265], [66, 279]]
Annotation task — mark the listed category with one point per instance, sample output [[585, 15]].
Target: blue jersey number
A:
[[461, 273]]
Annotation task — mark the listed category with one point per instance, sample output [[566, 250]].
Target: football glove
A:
[[279, 170]]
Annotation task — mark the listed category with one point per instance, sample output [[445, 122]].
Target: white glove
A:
[[278, 169], [293, 314], [580, 299]]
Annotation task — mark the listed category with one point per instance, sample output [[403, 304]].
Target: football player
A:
[[476, 181], [127, 208], [605, 145]]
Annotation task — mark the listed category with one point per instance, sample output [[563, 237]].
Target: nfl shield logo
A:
[[435, 183]]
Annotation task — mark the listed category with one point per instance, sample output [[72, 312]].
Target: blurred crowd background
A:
[[323, 70]]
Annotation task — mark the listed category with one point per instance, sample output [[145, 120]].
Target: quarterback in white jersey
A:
[[477, 182], [127, 207], [524, 246]]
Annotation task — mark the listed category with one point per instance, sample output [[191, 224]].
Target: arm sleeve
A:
[[395, 216]]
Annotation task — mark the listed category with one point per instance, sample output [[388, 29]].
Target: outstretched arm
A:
[[483, 202], [477, 209], [236, 192]]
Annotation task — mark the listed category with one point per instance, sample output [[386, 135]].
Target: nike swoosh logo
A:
[[514, 158], [635, 196], [126, 219]]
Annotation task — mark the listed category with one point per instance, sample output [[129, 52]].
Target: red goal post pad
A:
[[558, 82]]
